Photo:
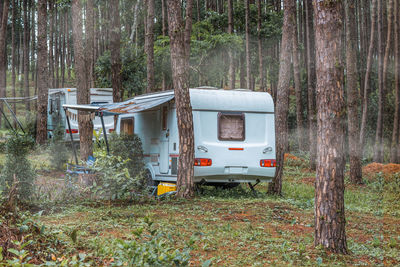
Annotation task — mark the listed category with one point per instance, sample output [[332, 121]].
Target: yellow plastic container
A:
[[163, 188]]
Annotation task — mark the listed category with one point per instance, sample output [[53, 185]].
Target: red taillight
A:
[[74, 131], [268, 163], [111, 130], [202, 162], [236, 148]]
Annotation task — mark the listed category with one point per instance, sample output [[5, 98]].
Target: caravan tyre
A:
[[149, 179]]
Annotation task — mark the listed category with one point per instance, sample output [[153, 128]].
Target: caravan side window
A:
[[231, 126], [127, 125]]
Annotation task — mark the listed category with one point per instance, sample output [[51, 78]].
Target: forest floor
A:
[[231, 227]]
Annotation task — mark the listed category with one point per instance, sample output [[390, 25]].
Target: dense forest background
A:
[[227, 51]]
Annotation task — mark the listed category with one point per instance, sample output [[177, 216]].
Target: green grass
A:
[[232, 227], [236, 228]]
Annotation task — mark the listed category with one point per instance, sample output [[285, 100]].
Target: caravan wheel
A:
[[149, 179]]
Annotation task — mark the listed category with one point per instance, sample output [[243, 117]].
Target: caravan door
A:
[[164, 141]]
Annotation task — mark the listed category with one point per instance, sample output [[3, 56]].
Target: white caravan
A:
[[234, 134], [56, 115]]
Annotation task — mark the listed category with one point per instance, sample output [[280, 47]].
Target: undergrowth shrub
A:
[[29, 124], [113, 178], [58, 150], [150, 247], [17, 163], [120, 174], [128, 147]]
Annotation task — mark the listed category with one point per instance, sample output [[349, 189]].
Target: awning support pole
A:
[[13, 114], [4, 115], [72, 138], [104, 132]]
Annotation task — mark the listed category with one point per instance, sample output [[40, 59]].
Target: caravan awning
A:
[[137, 104], [133, 105]]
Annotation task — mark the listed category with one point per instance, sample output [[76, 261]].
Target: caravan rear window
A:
[[231, 126], [127, 125]]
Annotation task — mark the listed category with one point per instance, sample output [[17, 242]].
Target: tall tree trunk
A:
[[378, 148], [164, 33], [282, 101], [329, 185], [260, 47], [232, 73], [69, 52], [115, 45], [248, 61], [56, 47], [149, 45], [352, 93], [242, 70], [64, 46], [90, 42], [368, 66], [13, 52], [395, 151], [51, 43], [41, 135], [297, 85], [26, 55], [3, 47], [33, 39], [83, 94], [311, 78], [385, 83], [179, 64]]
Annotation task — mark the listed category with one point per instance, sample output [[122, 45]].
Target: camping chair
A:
[[77, 169]]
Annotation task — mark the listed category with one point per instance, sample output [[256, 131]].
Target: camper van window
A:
[[51, 107], [164, 118], [127, 126], [231, 126]]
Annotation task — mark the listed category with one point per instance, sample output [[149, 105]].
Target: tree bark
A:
[[51, 44], [179, 64], [329, 186], [56, 47], [232, 73], [149, 45], [83, 94], [68, 48], [64, 46], [352, 94], [395, 151], [33, 39], [90, 42], [378, 148], [248, 61], [43, 76], [26, 54], [311, 77], [115, 46], [260, 47], [367, 75], [297, 85], [13, 52], [385, 82], [282, 101], [242, 70], [3, 47]]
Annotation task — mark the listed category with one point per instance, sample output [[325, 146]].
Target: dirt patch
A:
[[388, 170], [289, 156], [244, 217], [308, 180]]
